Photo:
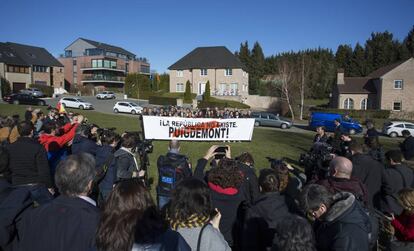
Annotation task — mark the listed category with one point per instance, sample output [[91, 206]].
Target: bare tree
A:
[[286, 85]]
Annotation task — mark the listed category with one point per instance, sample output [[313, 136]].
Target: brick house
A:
[[22, 65], [217, 65], [388, 88], [99, 64]]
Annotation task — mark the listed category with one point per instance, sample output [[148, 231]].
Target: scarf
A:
[[192, 222]]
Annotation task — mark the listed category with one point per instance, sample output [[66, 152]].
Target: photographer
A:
[[316, 161], [125, 160], [321, 135]]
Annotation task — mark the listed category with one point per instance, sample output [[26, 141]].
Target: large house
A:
[[388, 88], [22, 65], [99, 64], [217, 65]]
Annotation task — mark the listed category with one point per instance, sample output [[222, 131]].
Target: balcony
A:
[[106, 79], [90, 67]]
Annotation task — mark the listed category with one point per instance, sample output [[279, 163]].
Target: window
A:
[[398, 84], [409, 126], [38, 68], [74, 62], [396, 106], [180, 74], [17, 69], [68, 53], [349, 103], [228, 72], [180, 87], [203, 72], [364, 104], [400, 126]]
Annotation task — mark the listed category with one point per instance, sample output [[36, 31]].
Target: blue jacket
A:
[[81, 144]]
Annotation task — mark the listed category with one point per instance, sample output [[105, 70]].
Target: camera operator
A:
[[316, 161], [126, 163], [321, 135], [172, 168]]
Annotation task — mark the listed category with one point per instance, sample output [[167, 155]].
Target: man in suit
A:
[[68, 222]]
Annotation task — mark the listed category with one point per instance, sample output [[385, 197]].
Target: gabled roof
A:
[[8, 56], [357, 85], [33, 55], [217, 57], [385, 69], [108, 47]]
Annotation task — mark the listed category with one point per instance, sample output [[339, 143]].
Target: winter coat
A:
[[345, 226], [369, 172], [28, 162], [394, 179], [262, 219], [404, 227], [83, 145], [66, 223], [250, 185], [229, 202], [125, 164], [354, 186], [211, 238], [55, 143]]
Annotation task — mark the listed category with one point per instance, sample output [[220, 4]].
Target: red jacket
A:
[[404, 227], [54, 143]]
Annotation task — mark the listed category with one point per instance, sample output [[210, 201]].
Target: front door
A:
[[18, 86], [201, 88]]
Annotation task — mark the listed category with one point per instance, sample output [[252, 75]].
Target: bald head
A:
[[174, 145], [342, 167]]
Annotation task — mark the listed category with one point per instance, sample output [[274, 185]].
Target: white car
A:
[[128, 107], [395, 128], [75, 103], [105, 95]]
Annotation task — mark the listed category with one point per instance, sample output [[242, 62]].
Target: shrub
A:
[[157, 100], [206, 94], [47, 90], [213, 102], [5, 87], [362, 114], [187, 94]]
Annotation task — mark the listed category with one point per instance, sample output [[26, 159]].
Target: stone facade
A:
[[236, 84]]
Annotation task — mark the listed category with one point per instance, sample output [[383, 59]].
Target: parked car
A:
[[75, 103], [269, 119], [33, 91], [395, 128], [105, 95], [127, 107], [327, 120], [23, 99]]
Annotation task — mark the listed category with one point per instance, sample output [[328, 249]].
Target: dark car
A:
[[23, 99]]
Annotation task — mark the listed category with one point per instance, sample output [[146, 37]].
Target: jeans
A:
[[162, 201]]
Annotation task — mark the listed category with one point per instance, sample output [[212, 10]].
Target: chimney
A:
[[340, 77]]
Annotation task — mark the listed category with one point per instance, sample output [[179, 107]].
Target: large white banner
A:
[[194, 129]]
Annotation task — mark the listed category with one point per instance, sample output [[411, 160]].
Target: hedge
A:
[[220, 103], [47, 90], [365, 114], [157, 100]]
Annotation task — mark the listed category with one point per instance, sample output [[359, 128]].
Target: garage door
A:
[[18, 86]]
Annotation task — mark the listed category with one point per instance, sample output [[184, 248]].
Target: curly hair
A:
[[128, 212], [190, 197], [406, 199], [282, 173], [246, 158], [294, 234], [227, 174], [268, 180]]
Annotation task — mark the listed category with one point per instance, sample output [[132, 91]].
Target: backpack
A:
[[170, 172]]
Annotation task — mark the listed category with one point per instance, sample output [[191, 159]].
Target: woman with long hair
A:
[[130, 221], [191, 213]]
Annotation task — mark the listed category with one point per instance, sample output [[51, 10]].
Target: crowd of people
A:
[[66, 184], [174, 111]]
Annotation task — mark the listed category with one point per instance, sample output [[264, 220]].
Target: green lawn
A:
[[266, 142]]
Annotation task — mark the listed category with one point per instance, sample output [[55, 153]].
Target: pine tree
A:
[[380, 50], [206, 94], [257, 68], [187, 94], [409, 42], [343, 57], [357, 65]]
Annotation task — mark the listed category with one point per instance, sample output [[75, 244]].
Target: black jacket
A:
[[168, 241], [66, 223], [250, 185], [125, 164], [345, 226], [369, 172], [394, 179], [229, 205], [261, 221], [407, 148], [28, 162], [83, 145], [183, 169]]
